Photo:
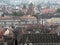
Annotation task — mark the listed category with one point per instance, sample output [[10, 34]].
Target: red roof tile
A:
[[48, 10]]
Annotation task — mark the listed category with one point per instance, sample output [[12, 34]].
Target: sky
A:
[[17, 2]]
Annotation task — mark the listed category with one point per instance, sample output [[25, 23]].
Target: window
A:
[[23, 22], [3, 43], [8, 23], [38, 44], [25, 44], [47, 44], [28, 44], [29, 22], [2, 23], [35, 44], [52, 44]]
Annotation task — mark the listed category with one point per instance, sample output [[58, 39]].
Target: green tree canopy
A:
[[38, 17], [17, 13], [58, 10]]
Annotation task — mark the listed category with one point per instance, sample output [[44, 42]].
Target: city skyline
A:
[[17, 2]]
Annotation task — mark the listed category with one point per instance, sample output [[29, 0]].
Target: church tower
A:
[[31, 9], [24, 9]]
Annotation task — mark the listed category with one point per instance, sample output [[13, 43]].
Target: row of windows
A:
[[42, 38], [3, 43], [24, 22], [42, 44], [28, 22], [8, 23], [30, 19], [47, 44]]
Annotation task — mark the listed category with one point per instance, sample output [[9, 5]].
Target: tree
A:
[[58, 10], [38, 17], [17, 13], [2, 15], [20, 13]]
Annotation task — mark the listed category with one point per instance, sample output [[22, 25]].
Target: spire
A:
[[30, 1], [31, 9], [24, 9], [24, 6], [31, 5]]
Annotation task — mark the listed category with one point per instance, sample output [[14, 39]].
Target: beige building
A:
[[58, 31], [31, 10], [53, 20], [9, 20], [24, 9]]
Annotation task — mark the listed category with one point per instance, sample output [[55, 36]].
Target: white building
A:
[[54, 21]]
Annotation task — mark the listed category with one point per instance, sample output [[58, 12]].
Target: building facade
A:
[[40, 39], [9, 20], [30, 9]]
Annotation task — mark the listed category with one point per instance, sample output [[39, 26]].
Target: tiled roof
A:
[[40, 38], [16, 17], [28, 17], [48, 10], [52, 32], [9, 18], [58, 29], [1, 32]]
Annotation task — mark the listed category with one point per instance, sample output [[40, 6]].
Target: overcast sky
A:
[[26, 1]]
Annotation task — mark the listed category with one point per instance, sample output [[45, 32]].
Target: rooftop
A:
[[40, 38], [17, 17]]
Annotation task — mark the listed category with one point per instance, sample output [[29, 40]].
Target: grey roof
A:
[[40, 38], [58, 29]]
